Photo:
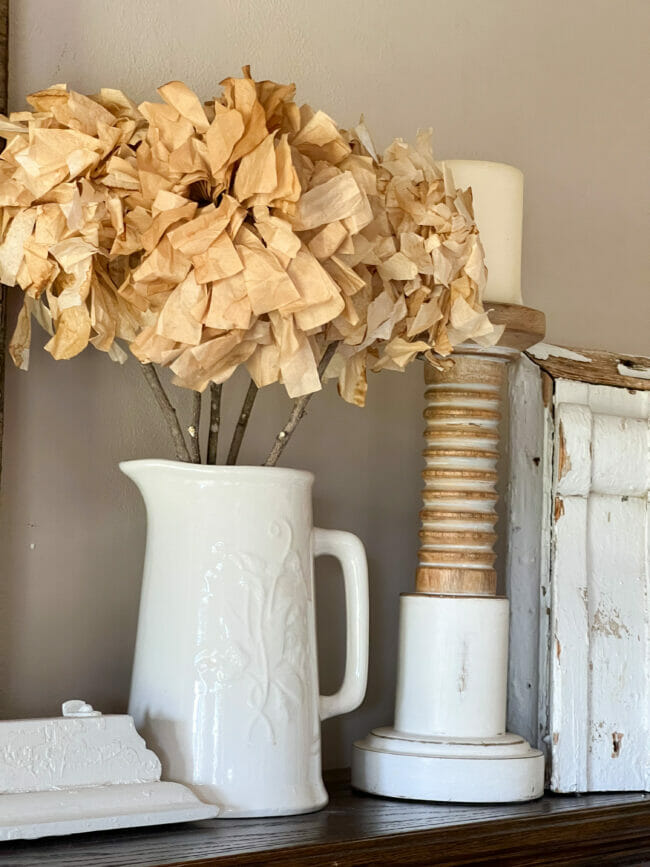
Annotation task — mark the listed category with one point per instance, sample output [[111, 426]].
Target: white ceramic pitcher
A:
[[225, 679]]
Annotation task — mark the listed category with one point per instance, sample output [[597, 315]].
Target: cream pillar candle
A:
[[498, 192]]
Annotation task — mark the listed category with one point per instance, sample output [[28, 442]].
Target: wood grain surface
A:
[[462, 413], [358, 830], [599, 368], [524, 326]]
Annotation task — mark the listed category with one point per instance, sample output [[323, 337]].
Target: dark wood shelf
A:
[[359, 830]]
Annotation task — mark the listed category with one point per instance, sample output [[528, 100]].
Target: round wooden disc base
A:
[[470, 770]]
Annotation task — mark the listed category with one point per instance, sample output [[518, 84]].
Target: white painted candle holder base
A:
[[449, 741], [460, 770]]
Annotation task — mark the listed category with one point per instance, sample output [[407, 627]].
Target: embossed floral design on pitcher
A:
[[262, 635], [225, 681]]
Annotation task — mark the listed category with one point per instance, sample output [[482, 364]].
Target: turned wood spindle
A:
[[462, 414], [459, 497]]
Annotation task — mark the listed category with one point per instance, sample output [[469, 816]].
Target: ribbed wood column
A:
[[461, 451]]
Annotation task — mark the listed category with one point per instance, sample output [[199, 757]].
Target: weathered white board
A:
[[579, 578], [527, 552]]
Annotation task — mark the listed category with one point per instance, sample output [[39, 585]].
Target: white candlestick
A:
[[498, 192]]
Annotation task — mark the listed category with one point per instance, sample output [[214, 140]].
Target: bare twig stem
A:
[[168, 412], [195, 427], [242, 423], [299, 409], [215, 421]]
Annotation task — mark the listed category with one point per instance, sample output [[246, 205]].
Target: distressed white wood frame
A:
[[578, 578]]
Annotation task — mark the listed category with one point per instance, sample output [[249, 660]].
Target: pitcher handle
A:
[[351, 554]]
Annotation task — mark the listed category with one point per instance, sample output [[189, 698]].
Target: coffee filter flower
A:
[[62, 190], [243, 231], [422, 265]]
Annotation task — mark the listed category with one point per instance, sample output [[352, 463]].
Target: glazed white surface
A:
[[225, 681]]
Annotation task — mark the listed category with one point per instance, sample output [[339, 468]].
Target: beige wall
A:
[[554, 87]]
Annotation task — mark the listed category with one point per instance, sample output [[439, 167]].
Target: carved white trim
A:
[[38, 755], [84, 772]]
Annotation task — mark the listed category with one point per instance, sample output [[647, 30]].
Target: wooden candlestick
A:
[[461, 451], [449, 740]]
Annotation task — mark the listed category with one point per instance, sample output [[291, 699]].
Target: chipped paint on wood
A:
[[617, 741], [542, 351], [564, 461], [547, 389], [600, 683], [593, 611], [609, 623], [637, 370], [593, 366], [573, 454]]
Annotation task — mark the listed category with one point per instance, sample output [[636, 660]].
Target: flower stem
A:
[[195, 427], [215, 421], [298, 411], [168, 411], [242, 423]]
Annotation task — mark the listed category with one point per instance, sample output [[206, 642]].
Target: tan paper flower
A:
[[242, 231], [421, 266], [64, 177], [236, 281]]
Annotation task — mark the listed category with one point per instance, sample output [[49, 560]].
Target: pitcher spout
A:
[[155, 478], [143, 471]]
